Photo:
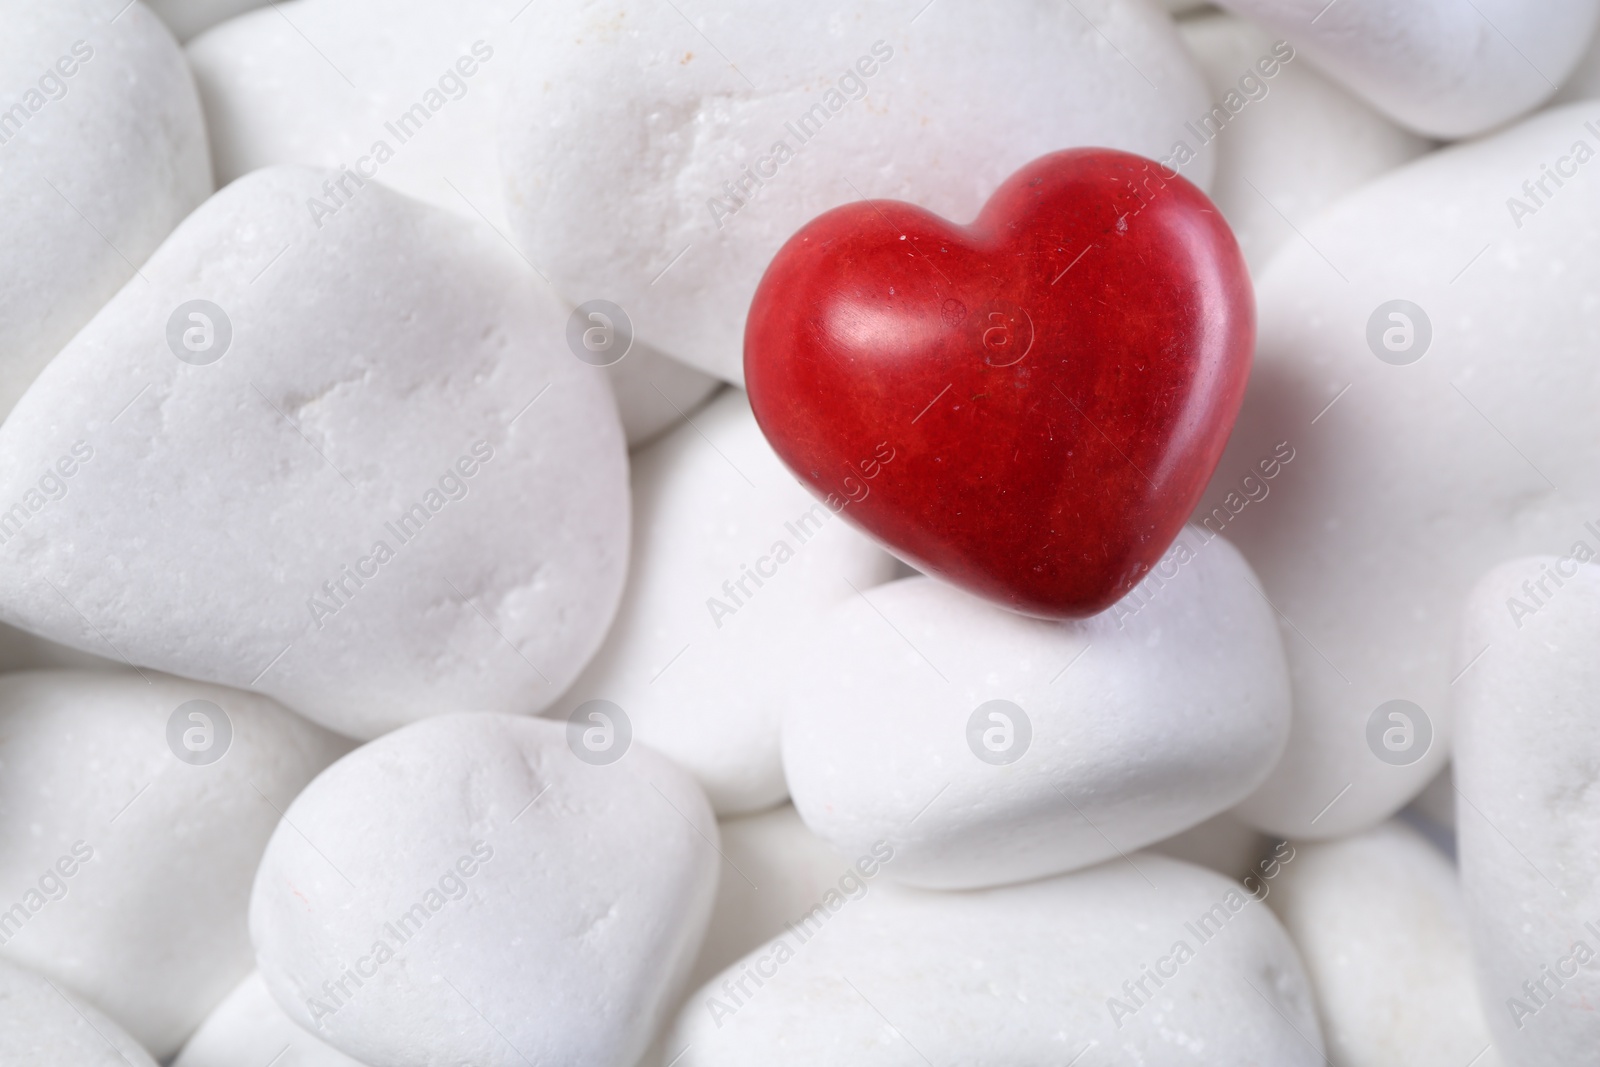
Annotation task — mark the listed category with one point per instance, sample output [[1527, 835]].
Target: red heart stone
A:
[[1028, 407]]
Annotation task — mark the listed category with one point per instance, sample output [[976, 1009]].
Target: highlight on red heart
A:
[[1057, 379]]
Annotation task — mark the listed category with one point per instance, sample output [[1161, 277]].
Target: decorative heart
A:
[[1028, 407]]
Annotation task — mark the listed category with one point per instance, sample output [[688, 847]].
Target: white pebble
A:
[[734, 564], [45, 1024], [629, 128], [249, 1024], [1529, 814], [413, 102], [1380, 925], [467, 890], [1443, 68], [406, 92], [392, 492], [102, 153], [138, 808], [1425, 351], [989, 747], [1287, 141], [1165, 965]]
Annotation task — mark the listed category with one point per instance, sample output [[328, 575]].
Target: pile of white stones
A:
[[416, 654]]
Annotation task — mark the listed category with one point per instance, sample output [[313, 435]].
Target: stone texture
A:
[[392, 493]]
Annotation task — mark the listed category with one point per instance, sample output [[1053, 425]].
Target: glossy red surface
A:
[[1028, 407]]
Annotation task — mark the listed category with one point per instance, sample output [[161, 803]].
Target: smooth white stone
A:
[[486, 897], [1024, 975], [248, 1025], [695, 659], [1296, 142], [1381, 928], [623, 123], [222, 502], [1134, 724], [44, 1024], [96, 168], [150, 923], [272, 99], [1411, 480], [1443, 68], [1528, 821]]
